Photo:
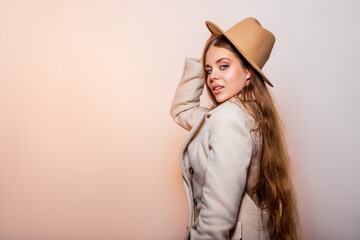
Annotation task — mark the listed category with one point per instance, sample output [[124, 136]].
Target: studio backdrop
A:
[[88, 150]]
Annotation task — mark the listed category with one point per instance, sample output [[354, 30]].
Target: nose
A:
[[214, 75]]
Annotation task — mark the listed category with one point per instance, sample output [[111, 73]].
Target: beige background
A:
[[88, 150]]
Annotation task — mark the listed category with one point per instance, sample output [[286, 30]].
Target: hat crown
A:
[[253, 42]]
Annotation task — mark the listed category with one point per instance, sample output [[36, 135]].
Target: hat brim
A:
[[217, 32]]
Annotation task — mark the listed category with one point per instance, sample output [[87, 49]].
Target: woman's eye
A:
[[222, 67], [208, 71]]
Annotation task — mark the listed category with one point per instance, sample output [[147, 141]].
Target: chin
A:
[[221, 99]]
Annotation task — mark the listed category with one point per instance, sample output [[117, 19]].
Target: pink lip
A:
[[217, 91]]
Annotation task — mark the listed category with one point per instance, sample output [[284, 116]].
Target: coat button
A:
[[195, 202], [191, 170]]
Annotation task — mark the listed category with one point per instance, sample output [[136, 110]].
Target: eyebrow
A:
[[217, 61]]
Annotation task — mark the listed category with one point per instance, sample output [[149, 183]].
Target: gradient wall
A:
[[88, 150]]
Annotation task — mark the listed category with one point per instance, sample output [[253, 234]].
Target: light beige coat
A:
[[217, 164]]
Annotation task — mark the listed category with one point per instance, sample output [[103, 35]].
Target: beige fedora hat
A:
[[252, 41]]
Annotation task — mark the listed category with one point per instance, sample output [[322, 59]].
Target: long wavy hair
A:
[[273, 187]]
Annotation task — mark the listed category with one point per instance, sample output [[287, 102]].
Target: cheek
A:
[[234, 77]]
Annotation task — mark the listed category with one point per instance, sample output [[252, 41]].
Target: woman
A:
[[234, 161]]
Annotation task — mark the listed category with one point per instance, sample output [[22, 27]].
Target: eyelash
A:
[[222, 67], [225, 66]]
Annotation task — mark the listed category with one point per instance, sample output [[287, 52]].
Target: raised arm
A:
[[185, 108]]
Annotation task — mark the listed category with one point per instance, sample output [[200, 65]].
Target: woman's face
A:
[[226, 76]]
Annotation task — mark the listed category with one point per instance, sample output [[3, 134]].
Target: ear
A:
[[248, 74]]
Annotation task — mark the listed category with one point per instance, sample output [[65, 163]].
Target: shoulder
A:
[[229, 111], [229, 125], [231, 114]]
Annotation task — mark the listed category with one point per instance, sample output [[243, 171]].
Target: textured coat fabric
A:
[[217, 164]]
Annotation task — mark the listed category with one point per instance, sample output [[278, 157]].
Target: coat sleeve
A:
[[230, 145], [185, 108]]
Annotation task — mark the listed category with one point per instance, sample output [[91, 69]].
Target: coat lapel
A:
[[184, 159]]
